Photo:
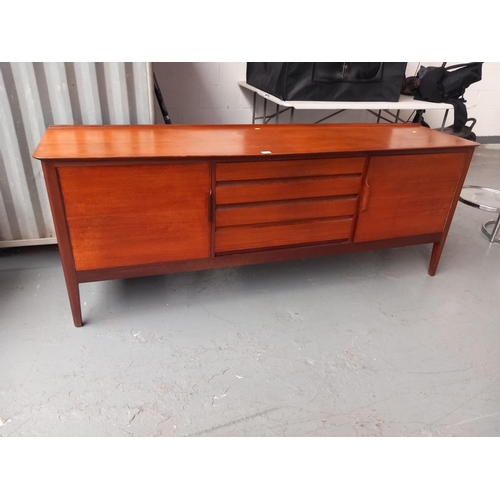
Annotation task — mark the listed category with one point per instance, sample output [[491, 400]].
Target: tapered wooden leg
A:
[[437, 250], [63, 241], [76, 308], [74, 297]]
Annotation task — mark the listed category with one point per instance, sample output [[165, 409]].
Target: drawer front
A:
[[259, 213], [268, 204], [287, 189], [231, 239], [286, 169]]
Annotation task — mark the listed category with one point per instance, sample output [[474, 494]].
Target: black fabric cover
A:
[[441, 84], [328, 81]]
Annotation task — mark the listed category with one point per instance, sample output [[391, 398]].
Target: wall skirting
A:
[[489, 139]]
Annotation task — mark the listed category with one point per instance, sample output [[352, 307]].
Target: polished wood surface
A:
[[286, 189], [281, 203], [249, 258], [437, 248], [141, 200], [228, 239], [63, 241], [275, 169], [407, 195], [219, 141], [281, 211], [130, 215]]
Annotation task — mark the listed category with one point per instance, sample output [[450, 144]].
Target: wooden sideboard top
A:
[[74, 142]]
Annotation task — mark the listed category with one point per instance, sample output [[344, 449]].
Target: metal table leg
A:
[[444, 119], [254, 104], [329, 116]]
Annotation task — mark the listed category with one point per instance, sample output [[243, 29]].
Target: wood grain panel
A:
[[228, 239], [231, 141], [247, 192], [131, 215], [407, 195], [63, 241], [285, 169], [247, 258], [234, 215]]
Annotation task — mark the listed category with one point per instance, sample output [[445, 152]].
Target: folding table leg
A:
[[444, 119]]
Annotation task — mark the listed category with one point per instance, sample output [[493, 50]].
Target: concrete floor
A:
[[353, 345]]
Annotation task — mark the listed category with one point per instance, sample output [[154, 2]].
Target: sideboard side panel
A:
[[63, 240]]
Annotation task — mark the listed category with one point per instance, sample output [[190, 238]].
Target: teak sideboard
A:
[[138, 200]]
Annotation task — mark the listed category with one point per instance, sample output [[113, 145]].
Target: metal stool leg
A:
[[492, 236]]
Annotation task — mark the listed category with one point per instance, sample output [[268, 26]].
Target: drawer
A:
[[286, 189], [241, 238], [290, 168], [258, 213]]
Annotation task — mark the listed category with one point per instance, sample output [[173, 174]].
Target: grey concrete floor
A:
[[353, 345]]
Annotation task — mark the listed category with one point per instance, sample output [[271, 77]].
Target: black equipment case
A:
[[448, 84], [328, 81]]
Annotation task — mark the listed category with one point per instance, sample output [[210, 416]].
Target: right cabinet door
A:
[[407, 195]]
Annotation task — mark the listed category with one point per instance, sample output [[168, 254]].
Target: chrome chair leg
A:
[[496, 226]]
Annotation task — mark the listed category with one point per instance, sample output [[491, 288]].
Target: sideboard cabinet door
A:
[[407, 195], [136, 214]]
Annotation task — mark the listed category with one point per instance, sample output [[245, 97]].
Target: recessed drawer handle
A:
[[365, 197], [209, 207]]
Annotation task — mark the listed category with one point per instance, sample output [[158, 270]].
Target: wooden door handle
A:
[[365, 196], [209, 206]]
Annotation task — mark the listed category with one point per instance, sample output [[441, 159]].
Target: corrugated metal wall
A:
[[36, 95]]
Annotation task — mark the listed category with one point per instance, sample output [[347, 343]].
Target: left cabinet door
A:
[[136, 214]]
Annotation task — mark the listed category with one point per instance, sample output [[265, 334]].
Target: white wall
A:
[[205, 92]]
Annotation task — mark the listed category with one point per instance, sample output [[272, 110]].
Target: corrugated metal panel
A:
[[36, 95]]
